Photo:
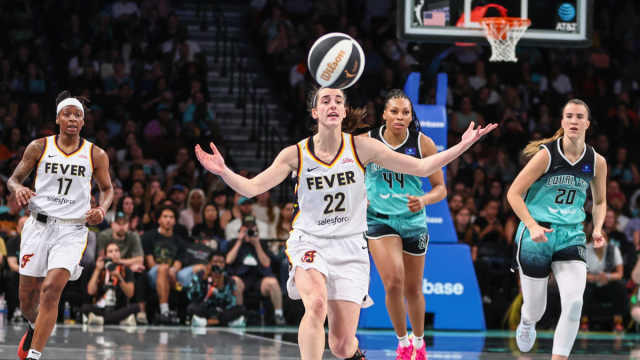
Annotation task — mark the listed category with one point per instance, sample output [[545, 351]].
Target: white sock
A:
[[34, 354], [278, 312], [164, 308], [403, 341], [418, 341], [31, 325]]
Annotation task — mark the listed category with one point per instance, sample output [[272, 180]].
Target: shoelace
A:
[[525, 332]]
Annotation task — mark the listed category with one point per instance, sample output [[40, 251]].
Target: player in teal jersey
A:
[[397, 227], [548, 196]]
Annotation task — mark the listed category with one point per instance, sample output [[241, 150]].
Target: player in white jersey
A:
[[55, 236], [329, 261]]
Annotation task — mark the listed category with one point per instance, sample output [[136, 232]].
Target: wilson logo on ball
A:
[[336, 60], [332, 66]]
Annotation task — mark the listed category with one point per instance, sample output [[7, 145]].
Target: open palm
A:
[[473, 134], [212, 162]]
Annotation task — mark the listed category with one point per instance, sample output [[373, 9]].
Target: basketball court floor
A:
[[75, 342]]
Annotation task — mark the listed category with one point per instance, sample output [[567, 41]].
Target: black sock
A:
[[357, 356]]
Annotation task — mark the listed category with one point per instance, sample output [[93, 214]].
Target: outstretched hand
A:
[[212, 162], [473, 134]]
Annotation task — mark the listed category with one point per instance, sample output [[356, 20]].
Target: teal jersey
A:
[[559, 195], [387, 190]]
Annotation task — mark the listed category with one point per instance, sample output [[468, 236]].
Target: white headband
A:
[[70, 101]]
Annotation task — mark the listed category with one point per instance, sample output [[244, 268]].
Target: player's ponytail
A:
[[534, 146]]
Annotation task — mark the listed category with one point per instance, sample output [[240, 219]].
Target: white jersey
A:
[[63, 181], [332, 197]]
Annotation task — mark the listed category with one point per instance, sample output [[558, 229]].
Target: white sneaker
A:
[[197, 321], [239, 322], [525, 336], [95, 319], [141, 318], [129, 321]]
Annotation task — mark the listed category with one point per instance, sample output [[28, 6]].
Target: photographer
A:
[[112, 286], [212, 296], [248, 260]]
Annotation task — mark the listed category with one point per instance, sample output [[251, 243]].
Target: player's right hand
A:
[[212, 162], [23, 195], [538, 232]]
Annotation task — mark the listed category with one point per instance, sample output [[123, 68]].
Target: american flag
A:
[[433, 18]]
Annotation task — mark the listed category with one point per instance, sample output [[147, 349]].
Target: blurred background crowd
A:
[[155, 91]]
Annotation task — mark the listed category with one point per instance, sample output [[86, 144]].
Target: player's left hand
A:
[[415, 203], [598, 239], [95, 216]]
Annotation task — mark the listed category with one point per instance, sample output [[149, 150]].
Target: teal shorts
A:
[[412, 229], [565, 243]]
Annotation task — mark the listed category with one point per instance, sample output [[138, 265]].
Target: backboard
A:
[[566, 23]]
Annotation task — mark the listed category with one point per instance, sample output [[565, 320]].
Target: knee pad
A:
[[575, 310]]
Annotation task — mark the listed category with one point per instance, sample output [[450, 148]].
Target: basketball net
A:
[[503, 34]]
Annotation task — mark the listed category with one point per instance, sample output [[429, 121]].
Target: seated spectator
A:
[[111, 285], [267, 212], [9, 219], [248, 260], [210, 228], [163, 250], [604, 285], [245, 207], [455, 204], [129, 244], [192, 214], [213, 296], [195, 258], [467, 232]]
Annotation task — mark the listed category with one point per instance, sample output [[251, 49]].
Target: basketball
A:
[[336, 60]]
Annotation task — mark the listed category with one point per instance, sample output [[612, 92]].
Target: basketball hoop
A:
[[503, 34]]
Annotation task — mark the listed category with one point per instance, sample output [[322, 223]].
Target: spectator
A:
[[178, 194], [604, 285], [248, 260], [210, 228], [112, 286], [163, 250], [9, 219], [267, 212], [129, 244], [245, 207], [213, 296], [192, 214], [195, 258], [466, 231]]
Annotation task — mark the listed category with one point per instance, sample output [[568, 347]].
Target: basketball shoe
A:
[[25, 343], [421, 354], [404, 352], [525, 336]]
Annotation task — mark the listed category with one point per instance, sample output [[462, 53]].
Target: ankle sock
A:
[[164, 309], [34, 354], [403, 341], [418, 341]]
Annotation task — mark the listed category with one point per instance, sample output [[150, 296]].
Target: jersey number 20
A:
[[565, 197]]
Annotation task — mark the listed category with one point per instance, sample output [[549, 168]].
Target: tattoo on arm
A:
[[29, 160]]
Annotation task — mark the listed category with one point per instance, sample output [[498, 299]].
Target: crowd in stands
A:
[[187, 244]]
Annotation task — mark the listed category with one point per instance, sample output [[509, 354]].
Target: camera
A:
[[109, 264], [252, 232], [216, 269]]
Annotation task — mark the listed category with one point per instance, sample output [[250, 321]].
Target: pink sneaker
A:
[[421, 354], [404, 352]]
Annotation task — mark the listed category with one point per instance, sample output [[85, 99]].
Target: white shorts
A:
[[343, 261], [52, 246]]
